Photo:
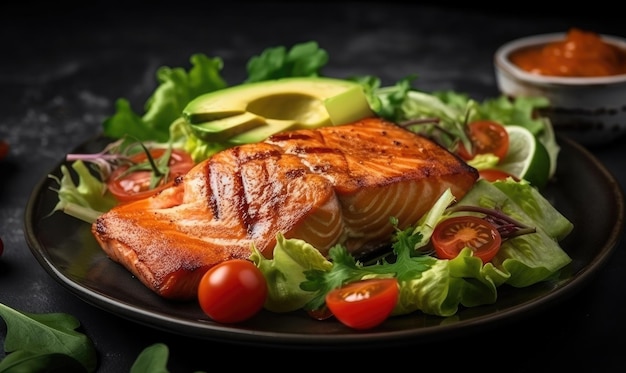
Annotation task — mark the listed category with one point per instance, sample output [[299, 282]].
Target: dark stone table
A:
[[62, 68]]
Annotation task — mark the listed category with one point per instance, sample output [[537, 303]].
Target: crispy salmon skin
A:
[[333, 185]]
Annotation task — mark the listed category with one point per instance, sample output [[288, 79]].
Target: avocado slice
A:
[[252, 112]]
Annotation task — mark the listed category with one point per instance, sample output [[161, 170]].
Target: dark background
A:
[[63, 65]]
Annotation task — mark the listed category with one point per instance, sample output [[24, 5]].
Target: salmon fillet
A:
[[333, 185]]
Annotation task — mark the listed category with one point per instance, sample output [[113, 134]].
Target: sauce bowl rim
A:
[[504, 64]]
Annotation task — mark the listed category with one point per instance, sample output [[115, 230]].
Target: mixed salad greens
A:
[[298, 275]]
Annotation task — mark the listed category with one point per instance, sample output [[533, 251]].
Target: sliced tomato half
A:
[[131, 186], [364, 304], [486, 137], [453, 234]]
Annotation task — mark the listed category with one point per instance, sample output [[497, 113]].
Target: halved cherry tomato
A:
[[232, 291], [453, 234], [136, 185], [487, 137], [492, 174], [364, 304]]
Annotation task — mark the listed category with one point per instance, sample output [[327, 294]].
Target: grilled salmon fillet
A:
[[333, 185]]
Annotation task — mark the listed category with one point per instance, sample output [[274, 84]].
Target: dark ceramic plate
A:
[[583, 190]]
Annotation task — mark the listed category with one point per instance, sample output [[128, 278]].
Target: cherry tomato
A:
[[4, 149], [492, 174], [364, 304], [451, 235], [486, 137], [136, 185], [232, 291]]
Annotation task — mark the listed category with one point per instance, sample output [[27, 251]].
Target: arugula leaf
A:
[[153, 359], [28, 362], [34, 339], [304, 59]]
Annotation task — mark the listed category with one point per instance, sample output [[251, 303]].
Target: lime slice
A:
[[527, 158]]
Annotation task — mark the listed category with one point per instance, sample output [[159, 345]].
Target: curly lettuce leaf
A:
[[182, 137], [177, 87], [448, 284], [286, 270], [87, 199]]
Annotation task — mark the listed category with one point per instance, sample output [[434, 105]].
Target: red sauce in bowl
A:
[[580, 54]]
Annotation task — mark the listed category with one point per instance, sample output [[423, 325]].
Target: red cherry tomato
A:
[[364, 304], [232, 291], [136, 185], [451, 235], [486, 137], [492, 174], [4, 149]]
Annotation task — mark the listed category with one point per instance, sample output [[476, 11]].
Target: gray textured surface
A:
[[60, 74]]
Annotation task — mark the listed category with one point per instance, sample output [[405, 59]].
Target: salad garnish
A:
[[117, 153]]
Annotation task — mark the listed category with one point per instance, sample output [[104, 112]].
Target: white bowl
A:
[[590, 110]]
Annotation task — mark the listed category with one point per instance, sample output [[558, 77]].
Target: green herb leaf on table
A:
[[29, 362], [35, 339], [153, 359]]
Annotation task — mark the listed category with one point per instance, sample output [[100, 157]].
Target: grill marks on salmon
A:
[[333, 185]]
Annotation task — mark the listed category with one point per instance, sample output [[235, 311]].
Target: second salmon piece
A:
[[333, 185]]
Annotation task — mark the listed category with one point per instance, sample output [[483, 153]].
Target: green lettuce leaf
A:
[[286, 270], [529, 258], [85, 199], [538, 208], [303, 59], [447, 284], [182, 137], [176, 88]]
